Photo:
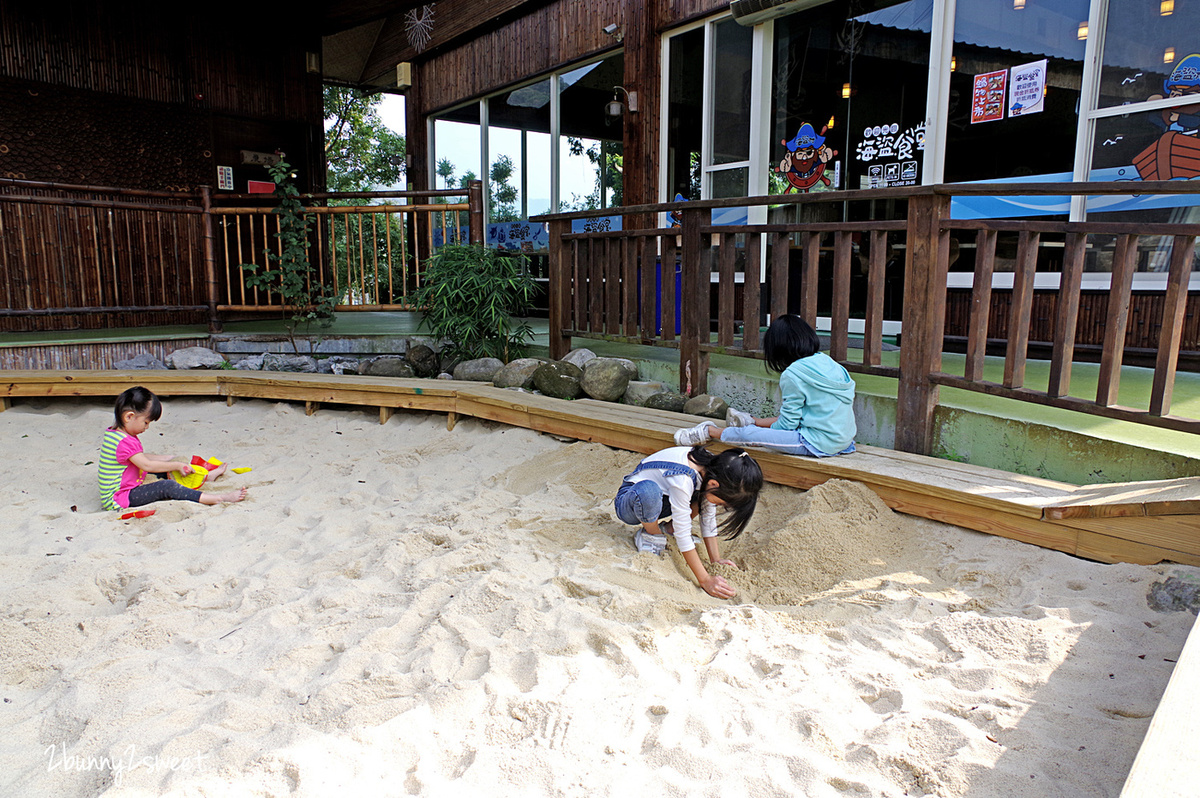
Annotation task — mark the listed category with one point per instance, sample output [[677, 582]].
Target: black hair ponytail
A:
[[739, 479], [139, 400]]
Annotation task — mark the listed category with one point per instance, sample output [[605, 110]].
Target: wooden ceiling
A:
[[363, 40]]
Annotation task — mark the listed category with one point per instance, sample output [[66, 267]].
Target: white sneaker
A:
[[693, 436], [649, 544], [736, 418]]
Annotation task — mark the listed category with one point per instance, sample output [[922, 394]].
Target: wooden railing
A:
[[370, 255], [87, 256], [602, 285]]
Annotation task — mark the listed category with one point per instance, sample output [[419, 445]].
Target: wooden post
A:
[[385, 413], [923, 323], [1116, 322], [559, 289], [693, 364], [210, 260], [1171, 333], [475, 213]]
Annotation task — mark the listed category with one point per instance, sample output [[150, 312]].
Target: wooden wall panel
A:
[[673, 12], [142, 95], [558, 33]]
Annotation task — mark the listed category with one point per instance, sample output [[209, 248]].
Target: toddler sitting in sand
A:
[[681, 483], [123, 464]]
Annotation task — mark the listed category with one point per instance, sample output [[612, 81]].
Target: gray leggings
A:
[[161, 490]]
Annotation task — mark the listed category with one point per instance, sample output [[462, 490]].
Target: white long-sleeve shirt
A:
[[679, 489]]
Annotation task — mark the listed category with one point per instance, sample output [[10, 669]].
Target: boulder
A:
[[640, 390], [424, 361], [559, 379], [338, 364], [707, 406], [606, 378], [251, 363], [480, 370], [195, 357], [302, 364], [387, 366], [445, 376], [517, 374], [142, 361], [667, 400], [579, 357]]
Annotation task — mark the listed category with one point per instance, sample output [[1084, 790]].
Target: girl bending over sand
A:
[[681, 483], [123, 464], [816, 417]]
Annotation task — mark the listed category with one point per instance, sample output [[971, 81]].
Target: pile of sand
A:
[[402, 610]]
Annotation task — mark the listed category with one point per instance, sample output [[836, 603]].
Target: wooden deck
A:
[[1141, 522]]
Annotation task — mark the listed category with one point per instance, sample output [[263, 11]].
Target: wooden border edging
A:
[[1141, 522]]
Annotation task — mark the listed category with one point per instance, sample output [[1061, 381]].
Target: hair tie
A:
[[744, 454]]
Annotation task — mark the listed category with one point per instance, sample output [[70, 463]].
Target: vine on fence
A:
[[293, 278]]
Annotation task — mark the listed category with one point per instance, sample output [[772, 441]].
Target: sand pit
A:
[[402, 610]]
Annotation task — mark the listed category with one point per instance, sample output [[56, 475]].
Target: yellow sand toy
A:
[[200, 469]]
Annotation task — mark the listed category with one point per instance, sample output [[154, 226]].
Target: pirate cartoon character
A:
[[1183, 82], [804, 162], [1174, 155]]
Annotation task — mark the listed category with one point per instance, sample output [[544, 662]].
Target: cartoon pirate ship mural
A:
[[1176, 154], [804, 163]]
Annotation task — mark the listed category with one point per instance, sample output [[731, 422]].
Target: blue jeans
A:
[[788, 441], [640, 503], [162, 490]]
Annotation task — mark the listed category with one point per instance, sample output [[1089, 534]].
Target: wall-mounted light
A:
[[845, 91], [953, 63], [1018, 5], [614, 108], [1169, 55], [404, 75], [312, 63], [1082, 34], [1166, 8], [614, 30]]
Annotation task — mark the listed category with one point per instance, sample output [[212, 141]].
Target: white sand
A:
[[403, 610]]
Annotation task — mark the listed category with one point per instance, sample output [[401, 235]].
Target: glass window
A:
[[685, 113], [456, 147], [590, 140], [731, 101], [848, 100], [519, 175], [1014, 90], [1150, 51]]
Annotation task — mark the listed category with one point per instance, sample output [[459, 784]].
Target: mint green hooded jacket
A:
[[818, 402]]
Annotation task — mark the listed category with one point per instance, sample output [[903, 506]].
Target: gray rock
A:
[[387, 366], [445, 376], [707, 406], [302, 364], [606, 378], [424, 361], [517, 374], [579, 357], [1174, 595], [251, 363], [143, 361], [559, 379], [480, 370], [639, 391], [338, 364], [667, 400], [195, 357]]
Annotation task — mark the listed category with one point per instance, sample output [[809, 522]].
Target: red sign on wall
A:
[[987, 96], [259, 187]]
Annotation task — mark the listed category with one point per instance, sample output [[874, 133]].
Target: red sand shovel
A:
[[138, 514]]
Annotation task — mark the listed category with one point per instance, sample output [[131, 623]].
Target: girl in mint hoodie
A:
[[816, 417]]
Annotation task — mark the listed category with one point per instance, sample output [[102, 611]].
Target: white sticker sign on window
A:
[[225, 178], [1027, 89]]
